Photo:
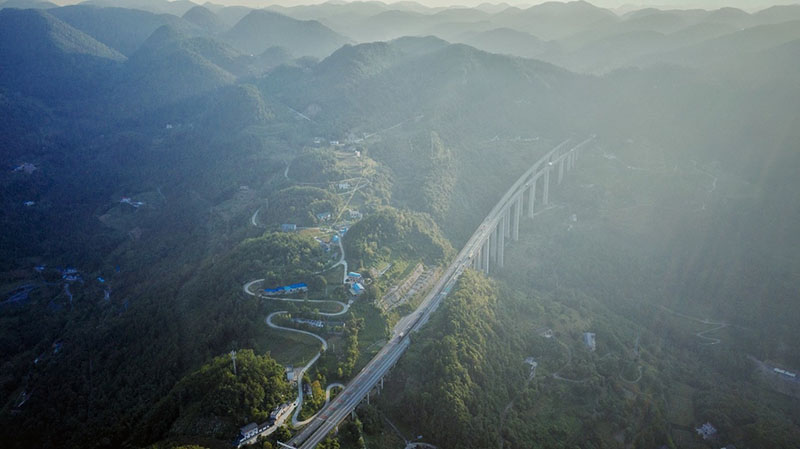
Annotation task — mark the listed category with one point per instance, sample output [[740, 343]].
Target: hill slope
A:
[[260, 30], [120, 28], [42, 56]]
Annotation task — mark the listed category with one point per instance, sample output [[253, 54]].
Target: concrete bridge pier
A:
[[561, 169], [546, 190], [485, 254], [532, 198], [507, 222], [517, 203], [493, 246], [501, 237]]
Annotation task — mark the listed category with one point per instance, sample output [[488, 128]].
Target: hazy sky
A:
[[705, 4], [749, 5]]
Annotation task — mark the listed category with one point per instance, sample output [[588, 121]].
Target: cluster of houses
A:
[[299, 287], [128, 200], [314, 323], [783, 372], [349, 144], [276, 418], [25, 167], [355, 281], [707, 431], [70, 275]]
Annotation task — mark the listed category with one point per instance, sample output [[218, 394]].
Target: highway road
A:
[[358, 388]]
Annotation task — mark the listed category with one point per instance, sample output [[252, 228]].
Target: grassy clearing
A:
[[681, 407], [287, 348], [375, 330]]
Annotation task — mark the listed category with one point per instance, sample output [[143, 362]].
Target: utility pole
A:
[[233, 357]]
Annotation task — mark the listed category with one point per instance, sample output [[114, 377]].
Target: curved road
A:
[[328, 391], [701, 334], [557, 374], [345, 308], [632, 381]]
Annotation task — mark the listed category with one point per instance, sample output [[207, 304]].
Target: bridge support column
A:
[[485, 254], [517, 214], [493, 245], [546, 189], [381, 383], [561, 169], [532, 198], [501, 241], [507, 221]]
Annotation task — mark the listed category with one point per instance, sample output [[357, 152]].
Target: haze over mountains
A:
[[575, 35], [172, 152]]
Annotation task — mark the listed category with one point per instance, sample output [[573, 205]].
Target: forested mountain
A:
[[44, 57], [152, 151], [205, 19], [260, 30], [174, 7], [121, 29]]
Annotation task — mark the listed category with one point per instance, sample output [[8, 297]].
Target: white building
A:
[[249, 430], [590, 341], [706, 431]]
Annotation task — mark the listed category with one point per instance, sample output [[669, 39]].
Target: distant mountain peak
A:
[[29, 27], [261, 29], [205, 19]]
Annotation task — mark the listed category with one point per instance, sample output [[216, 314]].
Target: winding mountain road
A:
[[248, 289]]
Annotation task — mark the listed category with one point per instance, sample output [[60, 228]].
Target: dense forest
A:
[[390, 233], [215, 398]]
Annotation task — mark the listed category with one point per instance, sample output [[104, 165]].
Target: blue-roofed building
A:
[[335, 239], [288, 227], [324, 216], [356, 289], [353, 277], [287, 289]]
